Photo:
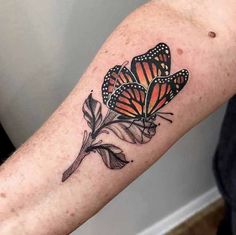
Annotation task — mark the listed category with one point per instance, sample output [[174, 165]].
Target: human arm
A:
[[32, 183]]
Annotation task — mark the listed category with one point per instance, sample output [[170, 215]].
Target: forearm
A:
[[33, 196]]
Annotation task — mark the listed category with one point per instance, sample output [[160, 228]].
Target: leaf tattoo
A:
[[134, 98], [112, 156], [92, 112], [134, 132]]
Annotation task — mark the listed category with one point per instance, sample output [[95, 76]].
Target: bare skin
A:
[[202, 39]]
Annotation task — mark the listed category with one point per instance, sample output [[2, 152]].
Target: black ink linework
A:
[[134, 99]]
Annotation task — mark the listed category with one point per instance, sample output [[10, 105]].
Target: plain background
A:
[[44, 48]]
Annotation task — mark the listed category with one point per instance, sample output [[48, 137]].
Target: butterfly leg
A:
[[150, 122], [144, 127], [133, 121]]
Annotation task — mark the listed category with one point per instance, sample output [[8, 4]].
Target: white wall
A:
[[44, 48]]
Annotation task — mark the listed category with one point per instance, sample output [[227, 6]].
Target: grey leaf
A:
[[112, 156], [92, 112], [133, 131]]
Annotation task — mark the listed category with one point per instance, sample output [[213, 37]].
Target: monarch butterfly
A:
[[141, 92]]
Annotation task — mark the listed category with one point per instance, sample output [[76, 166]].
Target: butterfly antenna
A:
[[167, 113], [122, 66], [167, 119]]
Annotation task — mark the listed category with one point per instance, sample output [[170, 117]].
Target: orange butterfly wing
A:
[[114, 78], [154, 63], [162, 90], [128, 100]]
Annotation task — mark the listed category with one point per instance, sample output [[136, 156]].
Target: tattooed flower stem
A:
[[99, 130], [85, 149], [82, 154], [87, 146]]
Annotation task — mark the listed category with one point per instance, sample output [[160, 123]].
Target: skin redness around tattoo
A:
[[134, 98]]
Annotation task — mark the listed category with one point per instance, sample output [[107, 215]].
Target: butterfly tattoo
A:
[[142, 91], [134, 98]]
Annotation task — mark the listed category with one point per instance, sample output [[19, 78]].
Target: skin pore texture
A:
[[201, 38]]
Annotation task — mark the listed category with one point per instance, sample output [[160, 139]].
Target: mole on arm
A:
[[3, 195], [211, 34], [180, 51]]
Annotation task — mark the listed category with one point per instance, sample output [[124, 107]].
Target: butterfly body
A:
[[141, 92]]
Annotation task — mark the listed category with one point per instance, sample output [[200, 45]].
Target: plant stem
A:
[[84, 151], [87, 142], [82, 154]]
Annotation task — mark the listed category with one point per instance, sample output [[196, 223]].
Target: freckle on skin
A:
[[13, 210], [127, 42], [72, 214], [180, 51], [211, 34], [3, 195]]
